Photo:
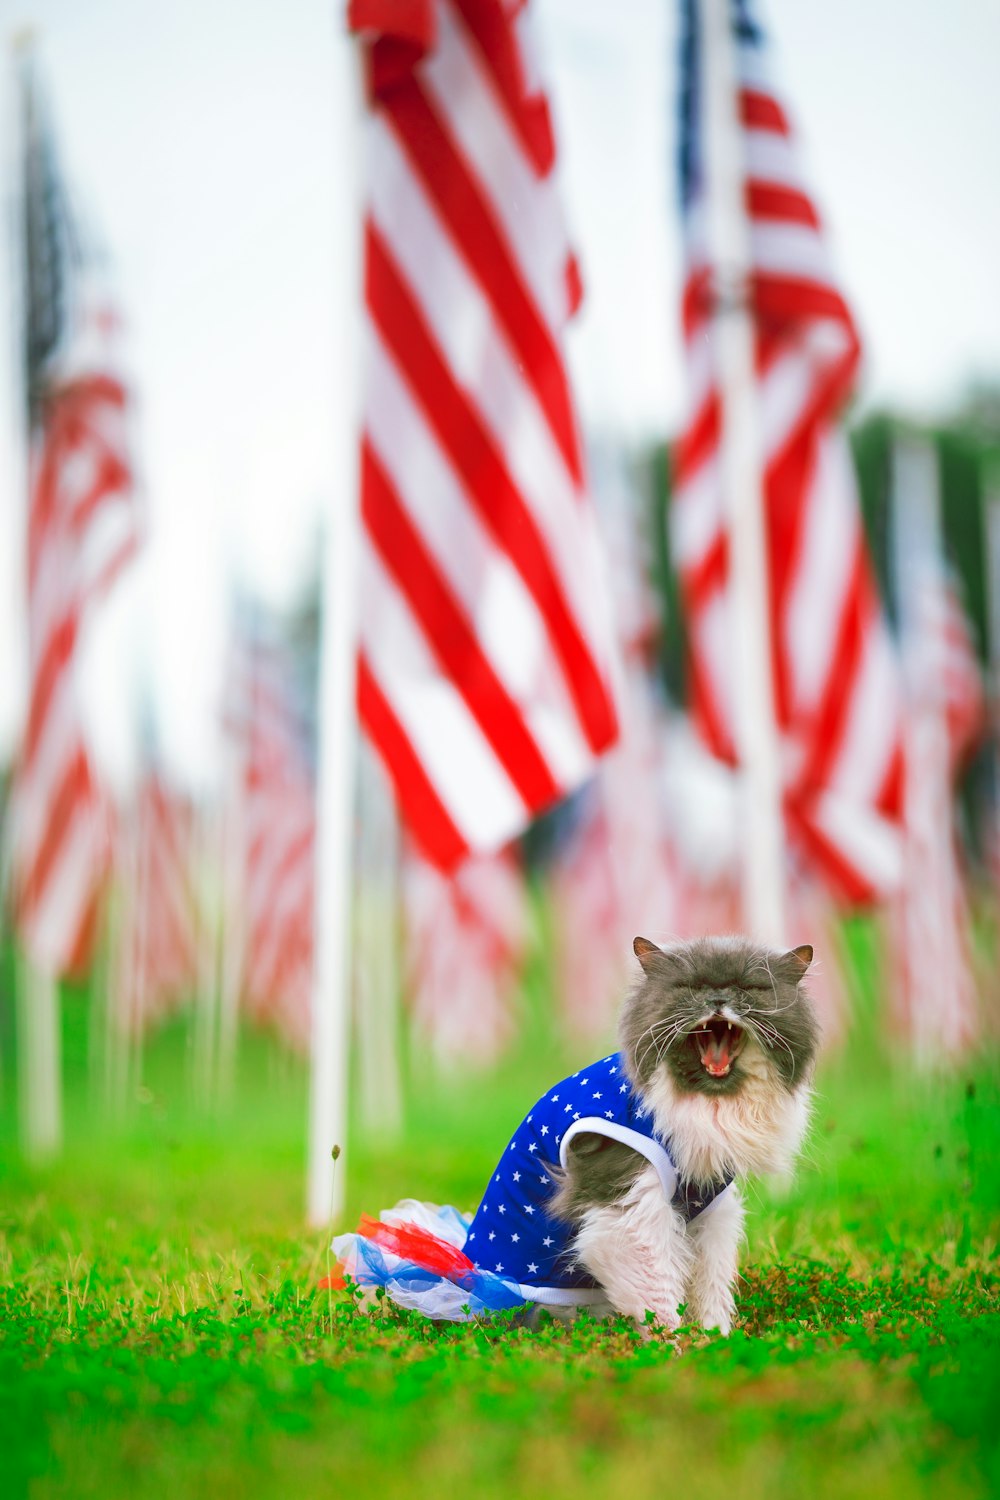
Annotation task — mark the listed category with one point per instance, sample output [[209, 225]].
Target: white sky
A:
[[200, 137]]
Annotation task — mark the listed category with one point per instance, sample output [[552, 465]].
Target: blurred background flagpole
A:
[[39, 1053], [83, 528], [728, 230], [337, 727]]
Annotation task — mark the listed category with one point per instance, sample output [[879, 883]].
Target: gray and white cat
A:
[[719, 1040]]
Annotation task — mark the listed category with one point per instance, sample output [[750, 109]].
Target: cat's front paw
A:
[[718, 1317]]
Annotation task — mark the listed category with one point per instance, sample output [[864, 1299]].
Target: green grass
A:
[[161, 1332]]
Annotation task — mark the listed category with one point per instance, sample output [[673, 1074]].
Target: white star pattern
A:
[[472, 1236], [541, 1144]]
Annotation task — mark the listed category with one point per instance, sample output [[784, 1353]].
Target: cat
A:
[[718, 1041], [618, 1190]]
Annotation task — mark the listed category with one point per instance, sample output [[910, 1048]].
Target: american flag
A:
[[82, 529], [275, 829], [484, 676], [158, 958], [835, 681], [466, 936], [935, 990]]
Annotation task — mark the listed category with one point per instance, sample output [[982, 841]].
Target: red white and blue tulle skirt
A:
[[415, 1253]]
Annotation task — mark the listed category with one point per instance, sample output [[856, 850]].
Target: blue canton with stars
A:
[[512, 1234]]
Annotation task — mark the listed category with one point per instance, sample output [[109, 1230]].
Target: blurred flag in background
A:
[[83, 527], [836, 693], [485, 662], [465, 940], [156, 850], [935, 995], [272, 828]]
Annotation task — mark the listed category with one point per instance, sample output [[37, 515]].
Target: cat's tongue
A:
[[716, 1056]]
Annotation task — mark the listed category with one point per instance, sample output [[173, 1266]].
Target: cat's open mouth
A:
[[718, 1042]]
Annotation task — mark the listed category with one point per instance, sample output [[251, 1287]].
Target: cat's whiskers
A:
[[768, 1036], [653, 1044]]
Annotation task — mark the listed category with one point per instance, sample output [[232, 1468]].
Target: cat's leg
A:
[[637, 1249], [715, 1239]]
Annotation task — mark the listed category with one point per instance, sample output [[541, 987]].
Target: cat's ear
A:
[[799, 959], [648, 954]]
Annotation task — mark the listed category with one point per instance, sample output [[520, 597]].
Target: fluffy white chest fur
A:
[[757, 1131]]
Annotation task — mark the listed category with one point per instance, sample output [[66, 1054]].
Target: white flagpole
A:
[[916, 522], [337, 676], [763, 854], [39, 1063]]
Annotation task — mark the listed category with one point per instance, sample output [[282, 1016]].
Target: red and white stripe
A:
[[276, 832], [82, 528], [835, 679], [158, 962], [465, 940], [484, 676]]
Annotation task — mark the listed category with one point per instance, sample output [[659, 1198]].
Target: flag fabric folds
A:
[[835, 680], [484, 674], [936, 1003], [158, 956], [82, 529], [465, 940], [273, 828]]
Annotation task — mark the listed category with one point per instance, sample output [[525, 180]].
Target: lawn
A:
[[162, 1332]]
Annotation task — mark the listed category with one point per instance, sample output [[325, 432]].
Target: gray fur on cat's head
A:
[[713, 1010]]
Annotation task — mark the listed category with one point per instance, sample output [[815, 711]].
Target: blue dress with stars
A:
[[512, 1233], [515, 1250]]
